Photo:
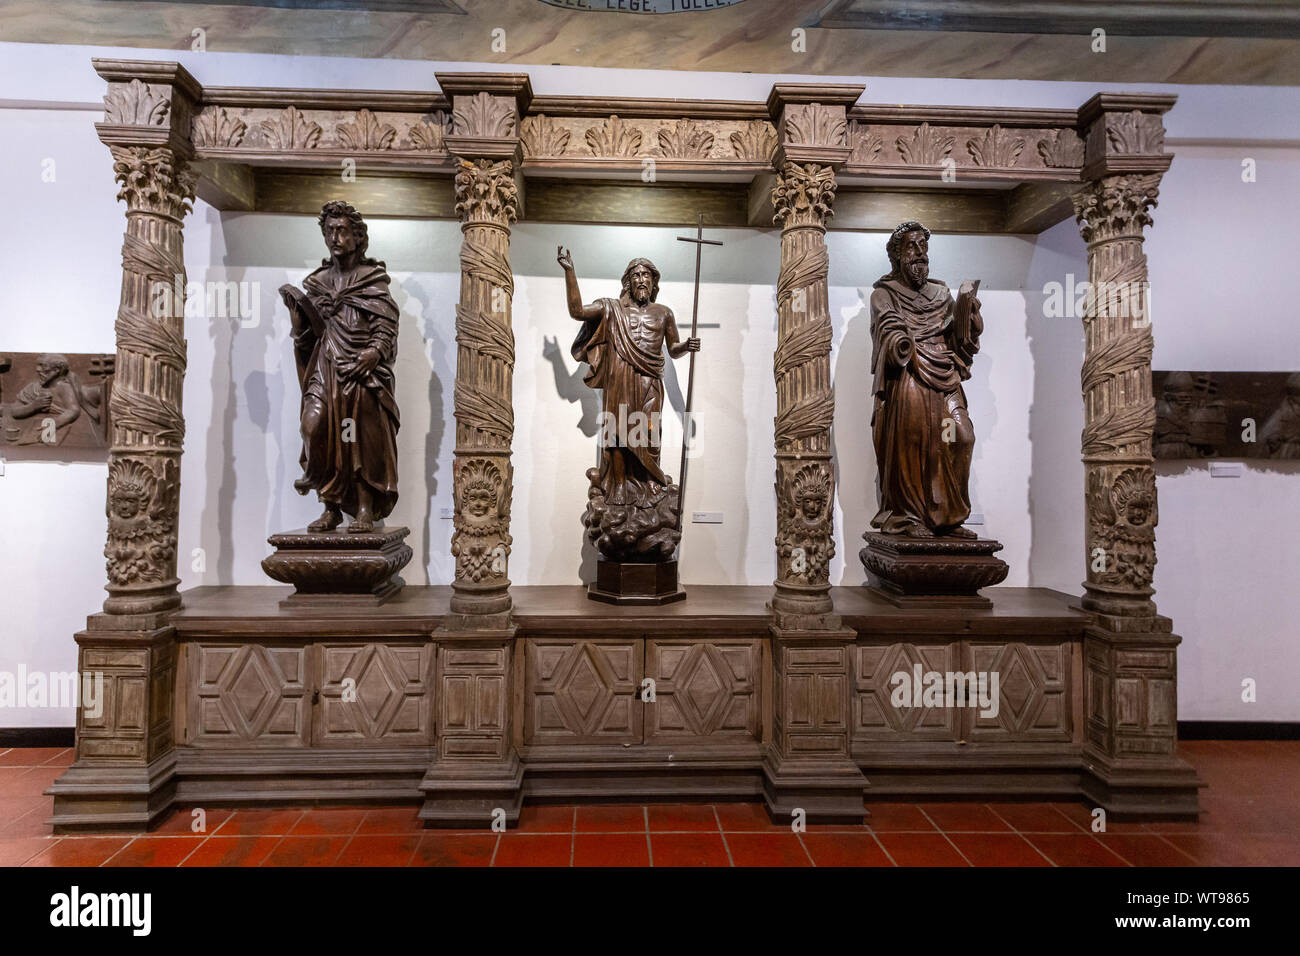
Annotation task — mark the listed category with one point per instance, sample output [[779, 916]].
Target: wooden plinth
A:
[[636, 583], [556, 709], [932, 573], [339, 568]]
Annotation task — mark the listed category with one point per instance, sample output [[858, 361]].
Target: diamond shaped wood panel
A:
[[582, 691], [874, 713], [248, 694], [1034, 699], [703, 689], [371, 693]]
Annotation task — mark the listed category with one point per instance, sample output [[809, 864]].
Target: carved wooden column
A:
[[1130, 655], [807, 765], [476, 771], [124, 756]]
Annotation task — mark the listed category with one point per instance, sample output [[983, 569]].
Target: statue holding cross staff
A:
[[633, 511]]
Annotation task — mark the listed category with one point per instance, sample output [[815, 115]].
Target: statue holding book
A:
[[924, 340], [344, 324], [344, 327]]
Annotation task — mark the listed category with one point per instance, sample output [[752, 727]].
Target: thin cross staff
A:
[[700, 243]]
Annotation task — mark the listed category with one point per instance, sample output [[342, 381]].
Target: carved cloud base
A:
[[339, 566], [931, 571], [636, 583]]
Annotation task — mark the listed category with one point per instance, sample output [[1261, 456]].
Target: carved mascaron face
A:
[[480, 501], [810, 506], [126, 502], [1138, 510]]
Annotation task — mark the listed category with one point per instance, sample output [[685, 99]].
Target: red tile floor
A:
[[1252, 819]]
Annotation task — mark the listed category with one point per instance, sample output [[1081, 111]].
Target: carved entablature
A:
[[147, 104], [309, 128], [812, 122], [1125, 133], [584, 134], [967, 143], [486, 113], [495, 116]]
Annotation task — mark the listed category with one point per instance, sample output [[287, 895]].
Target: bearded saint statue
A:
[[923, 343]]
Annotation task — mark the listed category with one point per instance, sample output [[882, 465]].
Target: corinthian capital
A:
[[153, 180], [803, 195], [1116, 207], [486, 192]]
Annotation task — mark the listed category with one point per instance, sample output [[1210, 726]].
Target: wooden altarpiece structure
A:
[[477, 696]]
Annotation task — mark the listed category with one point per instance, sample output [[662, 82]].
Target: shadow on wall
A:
[[420, 333], [1056, 479], [571, 387], [853, 454]]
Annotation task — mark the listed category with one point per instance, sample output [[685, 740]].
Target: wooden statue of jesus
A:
[[632, 506]]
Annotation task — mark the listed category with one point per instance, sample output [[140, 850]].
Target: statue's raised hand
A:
[[563, 258]]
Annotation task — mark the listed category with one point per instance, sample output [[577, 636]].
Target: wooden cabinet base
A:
[[274, 703]]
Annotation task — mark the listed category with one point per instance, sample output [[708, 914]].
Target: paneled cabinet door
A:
[[582, 691], [247, 694], [1033, 701], [374, 694], [704, 689], [889, 702]]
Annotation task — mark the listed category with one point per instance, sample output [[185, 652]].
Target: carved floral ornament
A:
[[804, 523], [1122, 520], [136, 104], [214, 127], [481, 541], [141, 507], [483, 115], [290, 129], [366, 133], [1116, 206], [152, 180], [1135, 132], [803, 193], [486, 191], [812, 124], [1061, 148], [684, 138], [996, 147]]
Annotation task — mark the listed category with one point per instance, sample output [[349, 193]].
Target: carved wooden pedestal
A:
[[339, 567], [695, 700], [635, 582], [932, 572], [124, 774]]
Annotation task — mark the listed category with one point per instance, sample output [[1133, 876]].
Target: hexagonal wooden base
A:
[[636, 583]]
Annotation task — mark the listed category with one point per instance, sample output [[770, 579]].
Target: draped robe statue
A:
[[345, 341], [923, 345], [632, 505]]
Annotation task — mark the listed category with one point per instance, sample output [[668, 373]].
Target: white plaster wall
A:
[[1225, 574]]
